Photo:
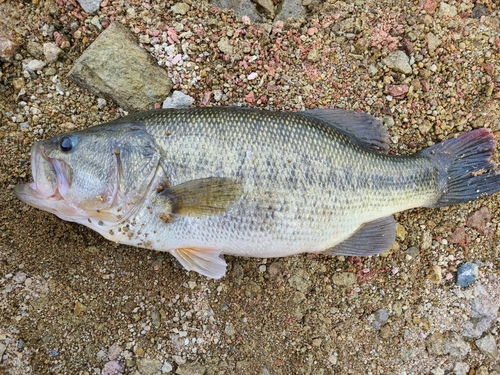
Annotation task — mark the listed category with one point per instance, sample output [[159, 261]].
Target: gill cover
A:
[[137, 160]]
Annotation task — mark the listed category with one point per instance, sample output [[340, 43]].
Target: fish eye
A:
[[67, 143]]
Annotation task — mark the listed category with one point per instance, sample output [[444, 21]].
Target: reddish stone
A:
[[425, 85], [397, 91], [250, 97], [459, 237], [429, 6], [489, 68], [479, 219]]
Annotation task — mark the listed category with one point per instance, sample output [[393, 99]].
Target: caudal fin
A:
[[465, 168]]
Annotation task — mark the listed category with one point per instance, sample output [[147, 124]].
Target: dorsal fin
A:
[[365, 128]]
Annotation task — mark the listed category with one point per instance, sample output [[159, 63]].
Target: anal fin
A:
[[371, 238], [207, 262]]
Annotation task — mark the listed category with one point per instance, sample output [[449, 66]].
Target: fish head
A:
[[95, 176]]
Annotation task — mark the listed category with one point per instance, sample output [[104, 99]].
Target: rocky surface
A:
[[115, 67], [74, 303]]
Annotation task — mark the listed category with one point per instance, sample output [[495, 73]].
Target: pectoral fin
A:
[[371, 238], [202, 197], [207, 262]]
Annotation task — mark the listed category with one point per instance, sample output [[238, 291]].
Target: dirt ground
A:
[[73, 303]]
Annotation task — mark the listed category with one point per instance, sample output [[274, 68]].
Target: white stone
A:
[[51, 52]]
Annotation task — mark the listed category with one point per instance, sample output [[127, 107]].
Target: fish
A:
[[202, 182]]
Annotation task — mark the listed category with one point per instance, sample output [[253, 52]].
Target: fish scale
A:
[[203, 182]]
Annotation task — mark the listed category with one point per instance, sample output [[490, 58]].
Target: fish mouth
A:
[[51, 180]]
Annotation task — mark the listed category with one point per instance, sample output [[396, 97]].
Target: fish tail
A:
[[465, 168]]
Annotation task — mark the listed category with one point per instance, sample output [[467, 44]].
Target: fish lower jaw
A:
[[30, 194]]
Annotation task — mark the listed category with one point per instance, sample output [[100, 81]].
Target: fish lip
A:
[[35, 190], [62, 177]]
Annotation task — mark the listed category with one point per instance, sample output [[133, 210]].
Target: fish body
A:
[[202, 182]]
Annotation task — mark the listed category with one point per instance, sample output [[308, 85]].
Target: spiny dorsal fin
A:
[[202, 197], [365, 128]]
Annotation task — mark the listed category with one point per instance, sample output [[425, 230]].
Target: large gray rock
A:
[[240, 7], [291, 9], [115, 67]]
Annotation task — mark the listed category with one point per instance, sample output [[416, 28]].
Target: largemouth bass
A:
[[203, 182]]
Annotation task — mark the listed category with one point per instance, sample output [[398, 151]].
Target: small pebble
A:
[[33, 66], [34, 49], [19, 277], [166, 368], [51, 52], [191, 369], [435, 274], [426, 240], [149, 366], [399, 62], [90, 6], [178, 100], [447, 10], [397, 91], [101, 103], [79, 309], [224, 46], [380, 318], [461, 368], [488, 346], [467, 274], [180, 8], [344, 279], [433, 42], [400, 232], [229, 330], [112, 368], [412, 252], [484, 312], [8, 49], [114, 351]]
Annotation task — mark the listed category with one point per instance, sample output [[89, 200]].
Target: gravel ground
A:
[[73, 303]]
